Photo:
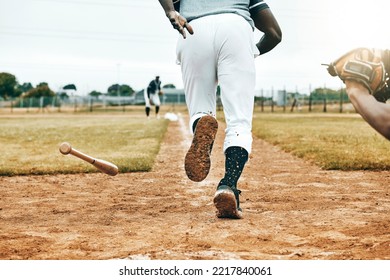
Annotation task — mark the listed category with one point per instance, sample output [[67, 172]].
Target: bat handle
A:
[[82, 156], [66, 148]]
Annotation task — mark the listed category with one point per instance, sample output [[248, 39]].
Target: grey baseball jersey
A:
[[192, 9]]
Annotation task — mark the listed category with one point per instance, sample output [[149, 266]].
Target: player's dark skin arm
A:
[[178, 22], [376, 114], [266, 22]]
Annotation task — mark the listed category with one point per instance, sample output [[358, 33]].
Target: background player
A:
[[152, 96], [221, 51]]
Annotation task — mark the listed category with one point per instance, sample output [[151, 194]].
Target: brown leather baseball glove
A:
[[363, 65]]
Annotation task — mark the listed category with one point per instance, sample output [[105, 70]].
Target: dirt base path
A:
[[292, 210]]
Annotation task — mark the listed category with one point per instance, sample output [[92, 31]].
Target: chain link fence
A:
[[265, 101]]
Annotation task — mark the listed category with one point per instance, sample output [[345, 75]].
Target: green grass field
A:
[[332, 141], [29, 143]]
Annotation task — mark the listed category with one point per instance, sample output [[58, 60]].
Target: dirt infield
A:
[[292, 210]]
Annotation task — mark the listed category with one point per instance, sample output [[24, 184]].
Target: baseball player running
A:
[[365, 73], [219, 49], [152, 97]]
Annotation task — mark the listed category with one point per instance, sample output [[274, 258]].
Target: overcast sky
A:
[[97, 43]]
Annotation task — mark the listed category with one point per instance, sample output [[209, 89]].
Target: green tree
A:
[[113, 90], [63, 95], [41, 90], [126, 90], [42, 84], [122, 90], [25, 87], [95, 93], [169, 86], [328, 94], [8, 86], [70, 86]]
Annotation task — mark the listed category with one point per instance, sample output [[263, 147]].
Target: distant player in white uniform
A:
[[152, 96], [220, 50]]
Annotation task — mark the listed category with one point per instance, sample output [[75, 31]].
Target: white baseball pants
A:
[[221, 51], [154, 97]]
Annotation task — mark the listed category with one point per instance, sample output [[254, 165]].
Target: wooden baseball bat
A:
[[102, 165]]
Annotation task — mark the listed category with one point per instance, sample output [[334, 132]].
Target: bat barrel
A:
[[106, 167]]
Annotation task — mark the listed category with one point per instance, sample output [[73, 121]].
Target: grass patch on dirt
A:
[[29, 143], [341, 142]]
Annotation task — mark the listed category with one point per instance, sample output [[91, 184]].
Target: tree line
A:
[[11, 88]]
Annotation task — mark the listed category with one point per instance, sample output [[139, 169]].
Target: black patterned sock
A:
[[235, 159], [194, 124]]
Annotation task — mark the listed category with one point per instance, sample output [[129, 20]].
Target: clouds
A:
[[316, 32], [96, 43], [90, 43]]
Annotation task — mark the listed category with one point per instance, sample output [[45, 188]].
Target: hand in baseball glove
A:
[[362, 65], [160, 92]]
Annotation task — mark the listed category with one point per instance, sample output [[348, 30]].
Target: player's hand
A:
[[179, 23]]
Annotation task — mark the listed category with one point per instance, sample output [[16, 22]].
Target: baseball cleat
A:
[[197, 161], [226, 201]]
